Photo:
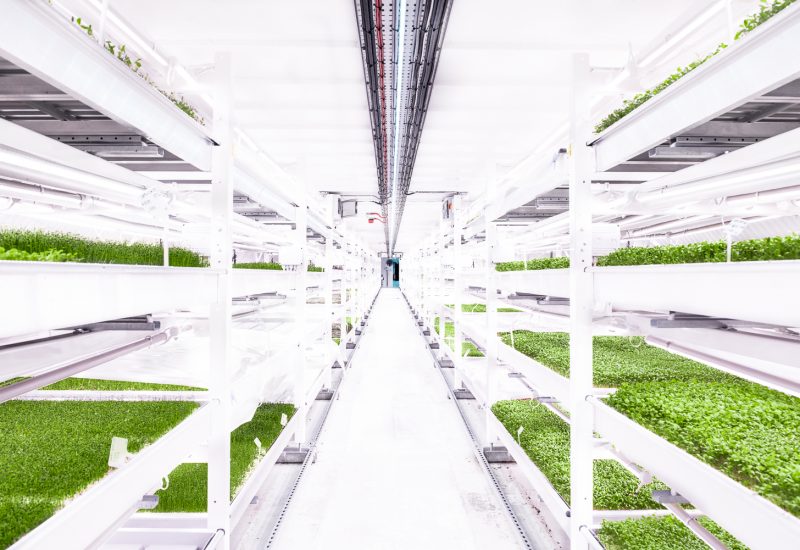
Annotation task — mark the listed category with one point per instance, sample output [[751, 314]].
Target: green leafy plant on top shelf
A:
[[315, 268], [770, 248], [617, 360], [767, 10], [660, 533], [468, 349], [75, 248], [259, 265], [481, 308], [181, 103], [188, 483], [46, 256], [765, 13], [545, 439], [535, 264], [52, 450], [749, 432], [630, 105], [120, 52]]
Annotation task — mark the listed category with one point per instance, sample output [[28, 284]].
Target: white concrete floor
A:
[[395, 467]]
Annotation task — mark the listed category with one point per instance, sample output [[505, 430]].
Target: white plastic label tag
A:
[[284, 420], [119, 454]]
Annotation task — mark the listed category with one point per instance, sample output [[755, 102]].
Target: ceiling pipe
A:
[[431, 26]]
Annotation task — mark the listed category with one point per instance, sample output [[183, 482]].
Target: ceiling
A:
[[501, 89]]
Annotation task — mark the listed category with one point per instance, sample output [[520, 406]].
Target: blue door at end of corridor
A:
[[395, 272], [391, 273]]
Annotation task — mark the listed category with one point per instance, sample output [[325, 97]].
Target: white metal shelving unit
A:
[[625, 299], [42, 298]]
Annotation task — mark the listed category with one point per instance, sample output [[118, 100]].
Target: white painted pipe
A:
[[695, 527], [35, 382]]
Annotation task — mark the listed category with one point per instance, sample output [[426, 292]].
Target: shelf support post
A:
[[581, 304], [327, 265], [458, 282], [220, 320], [492, 346], [301, 307]]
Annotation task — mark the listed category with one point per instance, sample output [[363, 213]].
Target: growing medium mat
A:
[[52, 450]]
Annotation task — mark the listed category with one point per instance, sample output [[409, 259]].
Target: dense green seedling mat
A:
[[481, 308], [115, 385], [259, 265], [749, 432], [769, 248], [79, 249], [745, 430], [315, 268], [46, 256], [754, 250], [538, 263], [546, 441], [767, 10], [96, 384], [188, 483], [467, 348], [660, 533], [51, 450], [618, 360]]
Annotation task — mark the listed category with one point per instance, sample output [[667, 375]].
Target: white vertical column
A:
[[340, 312], [491, 324], [301, 311], [580, 309], [220, 320], [327, 265], [444, 296], [347, 285], [492, 345], [423, 301], [165, 241], [458, 287], [362, 279]]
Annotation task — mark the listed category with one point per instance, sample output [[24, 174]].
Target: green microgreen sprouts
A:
[[51, 450], [65, 247], [188, 483]]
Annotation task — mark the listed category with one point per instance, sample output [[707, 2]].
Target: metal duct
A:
[[399, 90]]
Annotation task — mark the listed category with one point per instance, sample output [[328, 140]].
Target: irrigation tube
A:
[[776, 382], [695, 527], [35, 382], [591, 539], [215, 540]]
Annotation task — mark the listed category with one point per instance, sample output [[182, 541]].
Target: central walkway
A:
[[395, 468]]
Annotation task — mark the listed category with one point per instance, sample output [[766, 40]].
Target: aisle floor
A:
[[395, 467]]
